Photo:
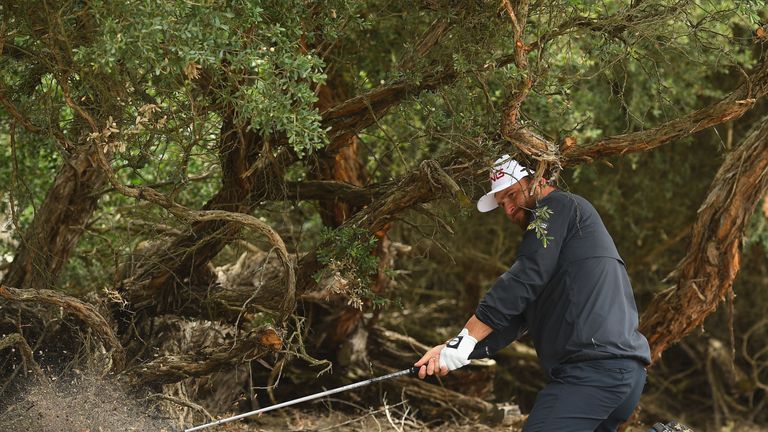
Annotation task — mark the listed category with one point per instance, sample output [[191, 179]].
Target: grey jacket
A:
[[573, 296]]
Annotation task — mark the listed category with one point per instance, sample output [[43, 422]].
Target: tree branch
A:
[[87, 313], [523, 86], [705, 276], [331, 190], [151, 195], [27, 355], [733, 106], [359, 112]]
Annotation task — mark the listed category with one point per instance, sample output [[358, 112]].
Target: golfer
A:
[[571, 293]]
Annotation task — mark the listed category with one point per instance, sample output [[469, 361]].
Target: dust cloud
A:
[[80, 403]]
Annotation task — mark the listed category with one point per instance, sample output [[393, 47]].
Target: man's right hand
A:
[[429, 364]]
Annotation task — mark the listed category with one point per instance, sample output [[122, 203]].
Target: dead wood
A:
[[173, 368], [84, 311], [185, 403], [705, 276], [463, 390], [170, 336], [254, 284], [437, 401]]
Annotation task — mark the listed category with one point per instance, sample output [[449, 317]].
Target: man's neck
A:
[[542, 192], [546, 191]]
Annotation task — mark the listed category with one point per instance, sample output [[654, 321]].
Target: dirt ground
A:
[[89, 404], [80, 403], [390, 418], [85, 403]]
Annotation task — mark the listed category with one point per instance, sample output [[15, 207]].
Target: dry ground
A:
[[85, 403]]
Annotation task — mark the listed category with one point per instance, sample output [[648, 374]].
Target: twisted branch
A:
[[86, 312], [155, 197], [706, 274]]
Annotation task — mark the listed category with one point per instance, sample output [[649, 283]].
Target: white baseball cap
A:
[[505, 173]]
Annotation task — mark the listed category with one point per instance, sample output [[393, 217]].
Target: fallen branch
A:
[[183, 402], [360, 418]]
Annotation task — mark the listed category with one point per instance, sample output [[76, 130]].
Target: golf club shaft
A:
[[304, 399]]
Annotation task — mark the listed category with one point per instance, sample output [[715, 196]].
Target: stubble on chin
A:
[[518, 218], [520, 221]]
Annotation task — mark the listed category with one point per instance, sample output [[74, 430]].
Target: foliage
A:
[[248, 46], [758, 226], [541, 217], [168, 78], [349, 253]]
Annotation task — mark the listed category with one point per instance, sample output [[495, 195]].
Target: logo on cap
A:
[[497, 175]]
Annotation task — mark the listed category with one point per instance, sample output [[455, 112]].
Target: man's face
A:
[[514, 200]]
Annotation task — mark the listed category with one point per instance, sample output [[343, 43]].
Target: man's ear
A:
[[543, 182]]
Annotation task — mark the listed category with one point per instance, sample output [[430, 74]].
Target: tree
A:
[[246, 164]]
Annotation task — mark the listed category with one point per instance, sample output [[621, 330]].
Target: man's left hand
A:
[[447, 357]]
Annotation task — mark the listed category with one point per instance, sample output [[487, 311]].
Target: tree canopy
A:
[[203, 186]]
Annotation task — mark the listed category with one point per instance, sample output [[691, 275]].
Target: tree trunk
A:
[[340, 162], [705, 276], [57, 226], [168, 273], [250, 177]]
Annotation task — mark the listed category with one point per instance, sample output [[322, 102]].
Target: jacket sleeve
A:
[[498, 339], [519, 286]]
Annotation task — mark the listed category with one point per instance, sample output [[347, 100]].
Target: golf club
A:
[[412, 370]]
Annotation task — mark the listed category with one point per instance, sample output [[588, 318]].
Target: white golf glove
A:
[[457, 350]]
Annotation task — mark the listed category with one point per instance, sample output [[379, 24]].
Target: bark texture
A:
[[705, 276], [174, 368], [166, 273], [58, 224], [84, 311]]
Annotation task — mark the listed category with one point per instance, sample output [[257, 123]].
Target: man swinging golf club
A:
[[573, 295]]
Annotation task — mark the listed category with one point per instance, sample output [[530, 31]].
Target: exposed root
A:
[[173, 368], [86, 312], [183, 402], [26, 352]]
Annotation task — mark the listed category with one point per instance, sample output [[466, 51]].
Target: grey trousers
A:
[[595, 395]]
